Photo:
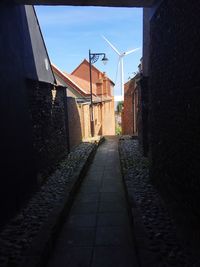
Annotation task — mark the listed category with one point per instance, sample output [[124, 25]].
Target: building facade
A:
[[78, 92], [104, 89], [131, 106]]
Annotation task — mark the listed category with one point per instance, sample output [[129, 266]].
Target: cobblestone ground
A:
[[156, 234], [19, 237]]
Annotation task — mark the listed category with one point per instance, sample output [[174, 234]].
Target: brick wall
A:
[[175, 102], [85, 119], [83, 72], [48, 119], [79, 121], [127, 113], [80, 124], [108, 118], [130, 109], [75, 114]]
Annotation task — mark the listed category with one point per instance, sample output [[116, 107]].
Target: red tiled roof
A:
[[80, 85], [71, 81]]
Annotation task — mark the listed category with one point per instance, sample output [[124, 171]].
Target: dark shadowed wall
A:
[[17, 168], [23, 55], [48, 120], [174, 102], [143, 112]]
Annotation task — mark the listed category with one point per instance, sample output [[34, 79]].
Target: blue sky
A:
[[69, 32]]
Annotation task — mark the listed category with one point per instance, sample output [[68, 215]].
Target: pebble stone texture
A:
[[155, 232], [97, 232], [24, 238]]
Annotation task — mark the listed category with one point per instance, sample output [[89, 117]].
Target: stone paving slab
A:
[[98, 220], [112, 219], [78, 236], [113, 257], [71, 259], [87, 197], [113, 197], [84, 207], [119, 236]]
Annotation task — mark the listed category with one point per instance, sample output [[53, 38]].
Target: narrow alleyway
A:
[[97, 232]]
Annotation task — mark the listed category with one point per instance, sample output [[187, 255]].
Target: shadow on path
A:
[[97, 231]]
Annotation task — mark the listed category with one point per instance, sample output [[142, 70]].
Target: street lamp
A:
[[93, 57]]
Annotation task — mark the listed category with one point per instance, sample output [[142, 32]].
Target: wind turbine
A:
[[121, 62]]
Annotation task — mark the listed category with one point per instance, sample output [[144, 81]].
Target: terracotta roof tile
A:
[[80, 85]]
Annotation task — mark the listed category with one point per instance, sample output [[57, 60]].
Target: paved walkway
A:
[[97, 232]]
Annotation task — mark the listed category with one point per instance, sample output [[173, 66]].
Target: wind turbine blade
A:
[[111, 45], [118, 65], [131, 51], [122, 76]]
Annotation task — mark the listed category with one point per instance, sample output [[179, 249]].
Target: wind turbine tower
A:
[[121, 63]]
